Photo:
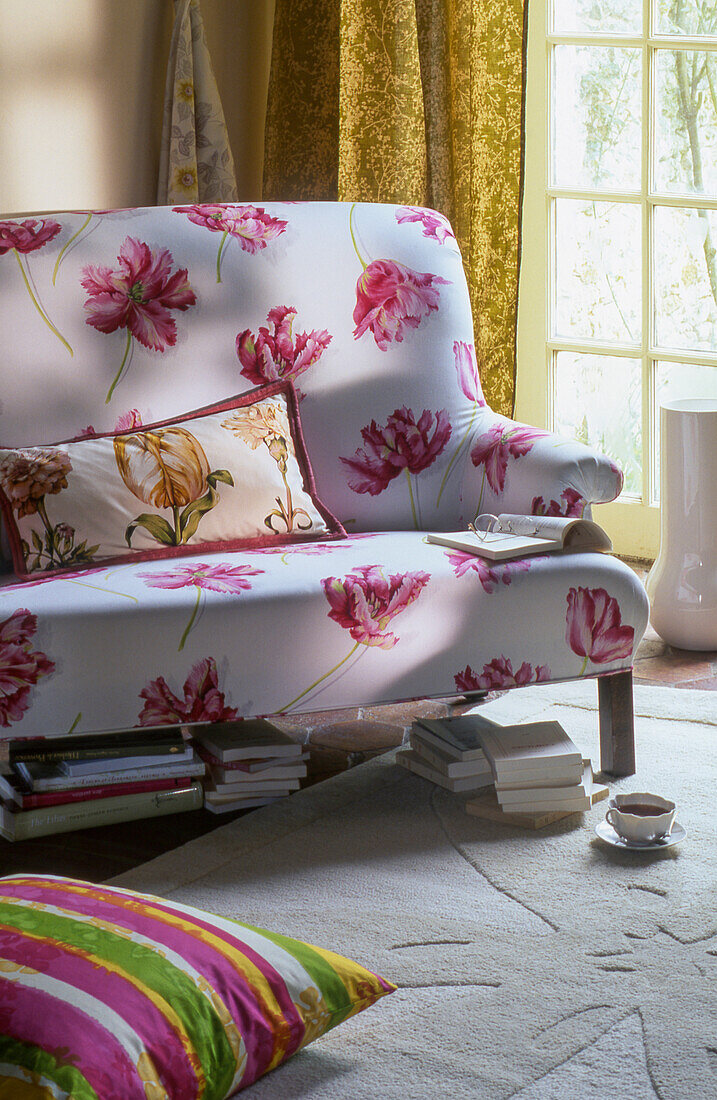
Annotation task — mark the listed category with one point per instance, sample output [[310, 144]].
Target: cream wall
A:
[[81, 94]]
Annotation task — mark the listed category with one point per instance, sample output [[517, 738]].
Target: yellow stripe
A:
[[159, 1002], [13, 1088], [351, 973], [279, 1026]]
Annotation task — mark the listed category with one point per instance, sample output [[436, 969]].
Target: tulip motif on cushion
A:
[[25, 237], [20, 665], [250, 226], [272, 356], [138, 296], [490, 574], [495, 447], [202, 702], [434, 225], [391, 297], [404, 444], [267, 423], [498, 674], [28, 476], [215, 577], [469, 381], [594, 627], [365, 602], [573, 504], [167, 468]]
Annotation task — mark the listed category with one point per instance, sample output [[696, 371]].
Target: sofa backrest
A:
[[110, 315]]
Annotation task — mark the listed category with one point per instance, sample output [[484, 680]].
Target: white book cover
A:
[[45, 820], [559, 776], [459, 737], [41, 778], [246, 740], [553, 793], [409, 759], [231, 775], [517, 536], [531, 745], [257, 787], [445, 763], [583, 797], [74, 768]]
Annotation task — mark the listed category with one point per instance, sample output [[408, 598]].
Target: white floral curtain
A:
[[196, 163]]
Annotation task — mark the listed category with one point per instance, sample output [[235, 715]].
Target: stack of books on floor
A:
[[59, 784], [249, 763], [447, 751], [538, 772]]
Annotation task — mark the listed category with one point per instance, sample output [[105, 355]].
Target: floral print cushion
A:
[[125, 996], [231, 475]]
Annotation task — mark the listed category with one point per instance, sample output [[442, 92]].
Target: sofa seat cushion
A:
[[370, 619]]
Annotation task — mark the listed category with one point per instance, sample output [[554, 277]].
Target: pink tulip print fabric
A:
[[250, 226], [433, 225], [21, 666], [117, 323], [280, 351], [140, 295], [374, 618]]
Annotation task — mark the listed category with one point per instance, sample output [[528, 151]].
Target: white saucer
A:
[[605, 831]]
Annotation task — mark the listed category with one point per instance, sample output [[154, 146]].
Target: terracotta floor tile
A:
[[709, 684], [673, 670], [403, 714], [369, 736]]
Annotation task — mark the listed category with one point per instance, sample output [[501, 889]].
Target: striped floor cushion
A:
[[106, 994]]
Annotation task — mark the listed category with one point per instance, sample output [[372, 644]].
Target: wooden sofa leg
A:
[[617, 727]]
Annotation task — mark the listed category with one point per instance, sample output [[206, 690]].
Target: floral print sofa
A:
[[116, 319]]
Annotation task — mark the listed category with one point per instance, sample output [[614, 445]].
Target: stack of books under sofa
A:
[[529, 773], [249, 763], [58, 784]]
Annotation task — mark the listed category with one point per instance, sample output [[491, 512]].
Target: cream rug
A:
[[538, 966]]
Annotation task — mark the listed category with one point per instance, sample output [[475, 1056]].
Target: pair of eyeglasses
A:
[[487, 524], [483, 525]]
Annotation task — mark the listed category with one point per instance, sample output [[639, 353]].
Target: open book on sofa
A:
[[516, 536]]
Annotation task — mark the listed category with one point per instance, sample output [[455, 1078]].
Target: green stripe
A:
[[37, 1060], [201, 1022], [337, 997]]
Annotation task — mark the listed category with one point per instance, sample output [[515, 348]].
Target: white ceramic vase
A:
[[682, 584]]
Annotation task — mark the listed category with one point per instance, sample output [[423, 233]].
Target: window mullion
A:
[[647, 290]]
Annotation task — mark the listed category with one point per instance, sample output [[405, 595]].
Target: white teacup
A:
[[641, 818]]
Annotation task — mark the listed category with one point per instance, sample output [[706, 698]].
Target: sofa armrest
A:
[[513, 467]]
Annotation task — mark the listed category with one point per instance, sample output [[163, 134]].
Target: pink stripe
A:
[[36, 1017], [248, 1009], [159, 1038]]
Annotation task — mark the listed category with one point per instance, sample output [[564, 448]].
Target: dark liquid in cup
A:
[[641, 809]]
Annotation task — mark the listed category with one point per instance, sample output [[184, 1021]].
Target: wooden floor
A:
[[336, 740]]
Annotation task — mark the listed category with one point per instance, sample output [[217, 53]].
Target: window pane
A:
[[685, 17], [597, 292], [603, 16], [598, 401], [596, 117], [685, 278], [686, 121], [675, 382]]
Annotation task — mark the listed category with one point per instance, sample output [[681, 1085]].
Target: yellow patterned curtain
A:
[[418, 102], [196, 162]]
